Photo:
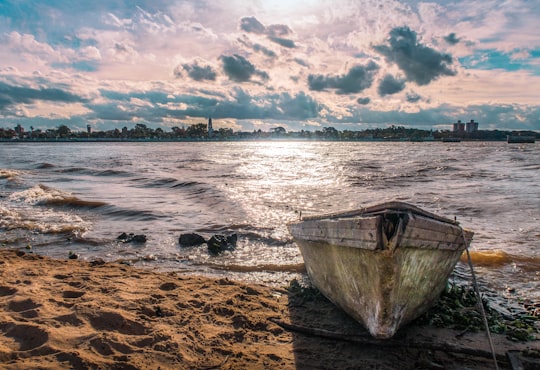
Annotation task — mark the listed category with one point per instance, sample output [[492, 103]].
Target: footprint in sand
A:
[[168, 286], [72, 294], [25, 307], [107, 346], [112, 321], [26, 337], [6, 290], [70, 319]]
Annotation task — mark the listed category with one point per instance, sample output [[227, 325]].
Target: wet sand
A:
[[58, 314]]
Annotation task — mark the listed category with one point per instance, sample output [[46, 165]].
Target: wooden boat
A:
[[384, 265]]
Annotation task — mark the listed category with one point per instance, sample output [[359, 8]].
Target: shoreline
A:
[[243, 140], [75, 314]]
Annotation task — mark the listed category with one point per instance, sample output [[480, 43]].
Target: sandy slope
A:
[[73, 314]]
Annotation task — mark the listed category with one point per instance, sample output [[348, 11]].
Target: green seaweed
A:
[[457, 308]]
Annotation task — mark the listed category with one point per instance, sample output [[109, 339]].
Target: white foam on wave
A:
[[39, 194], [9, 174], [42, 220]]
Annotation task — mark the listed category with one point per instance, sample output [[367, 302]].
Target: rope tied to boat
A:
[[480, 303]]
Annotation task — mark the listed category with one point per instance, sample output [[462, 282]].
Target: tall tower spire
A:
[[210, 129]]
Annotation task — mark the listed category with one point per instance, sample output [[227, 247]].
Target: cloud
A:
[[274, 32], [239, 69], [283, 42], [358, 78], [279, 30], [363, 101], [413, 97], [240, 104], [196, 72], [264, 50], [451, 39], [390, 85], [251, 24], [421, 64], [301, 62], [11, 95], [119, 56], [282, 106], [257, 47]]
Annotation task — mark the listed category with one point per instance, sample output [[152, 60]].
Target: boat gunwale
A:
[[393, 207]]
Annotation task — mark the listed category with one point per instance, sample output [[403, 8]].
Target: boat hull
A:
[[382, 278]]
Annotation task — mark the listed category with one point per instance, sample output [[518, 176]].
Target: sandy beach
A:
[[93, 315]]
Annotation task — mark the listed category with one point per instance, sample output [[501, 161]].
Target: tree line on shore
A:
[[199, 131]]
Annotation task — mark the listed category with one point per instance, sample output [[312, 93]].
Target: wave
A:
[[44, 165], [45, 222], [73, 170], [9, 175], [185, 184], [113, 173], [95, 172], [129, 214], [44, 195]]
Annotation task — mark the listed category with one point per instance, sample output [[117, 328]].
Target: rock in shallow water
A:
[[221, 243], [127, 238], [190, 240]]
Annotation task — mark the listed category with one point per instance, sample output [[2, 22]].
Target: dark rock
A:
[[123, 237], [221, 243], [190, 240], [138, 239], [73, 256], [127, 238]]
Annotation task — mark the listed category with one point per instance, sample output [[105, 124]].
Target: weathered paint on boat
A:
[[384, 265]]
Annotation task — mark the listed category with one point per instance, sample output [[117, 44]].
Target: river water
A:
[[78, 197]]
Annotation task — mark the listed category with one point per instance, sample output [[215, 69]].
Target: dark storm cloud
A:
[[10, 95], [239, 69], [155, 97], [264, 50], [452, 39], [278, 30], [111, 112], [257, 47], [357, 79], [240, 104], [363, 101], [274, 32], [301, 62], [196, 72], [283, 42], [282, 106], [413, 97], [251, 24], [421, 64], [390, 85]]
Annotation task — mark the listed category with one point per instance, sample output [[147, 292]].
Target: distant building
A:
[[210, 129], [19, 130], [88, 129], [459, 126], [471, 126]]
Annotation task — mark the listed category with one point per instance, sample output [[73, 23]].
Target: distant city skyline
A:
[[301, 65]]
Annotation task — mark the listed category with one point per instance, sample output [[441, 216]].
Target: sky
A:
[[250, 65]]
